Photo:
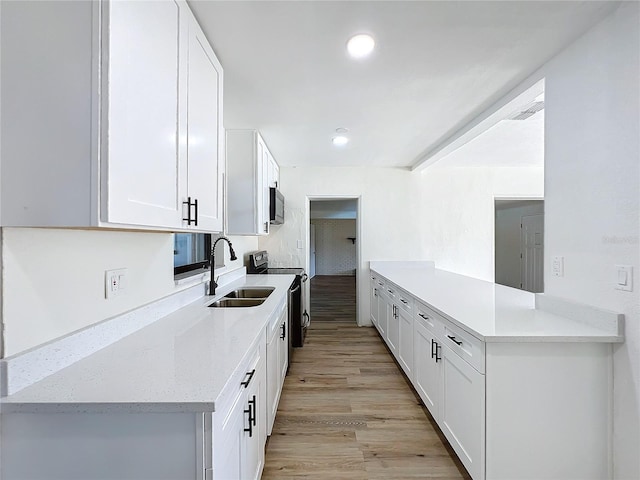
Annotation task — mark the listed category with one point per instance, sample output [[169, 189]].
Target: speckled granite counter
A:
[[179, 363]]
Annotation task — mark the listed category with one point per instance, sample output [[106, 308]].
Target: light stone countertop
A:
[[179, 363], [492, 312]]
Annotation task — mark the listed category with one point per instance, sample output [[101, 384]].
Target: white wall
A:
[[444, 214], [508, 240], [389, 225], [592, 201], [458, 212], [53, 280], [335, 253]]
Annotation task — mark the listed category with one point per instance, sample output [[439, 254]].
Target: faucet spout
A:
[[212, 283]]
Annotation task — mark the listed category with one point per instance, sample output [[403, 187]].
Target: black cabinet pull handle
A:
[[254, 415], [453, 339], [196, 219], [434, 350], [250, 429], [284, 331], [190, 220], [423, 316], [403, 301], [246, 383]]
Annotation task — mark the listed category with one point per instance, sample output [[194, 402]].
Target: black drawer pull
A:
[[434, 350], [453, 339], [283, 335], [423, 316], [252, 415], [252, 403], [246, 383], [403, 301]]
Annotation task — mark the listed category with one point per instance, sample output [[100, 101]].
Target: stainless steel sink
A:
[[237, 302], [250, 293]]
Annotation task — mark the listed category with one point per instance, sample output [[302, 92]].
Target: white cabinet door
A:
[[427, 362], [247, 171], [283, 349], [263, 187], [373, 302], [144, 119], [383, 312], [393, 328], [205, 144], [228, 444], [252, 451], [405, 342], [462, 411], [273, 379]]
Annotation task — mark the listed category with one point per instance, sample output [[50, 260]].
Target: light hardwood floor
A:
[[346, 412], [333, 297]]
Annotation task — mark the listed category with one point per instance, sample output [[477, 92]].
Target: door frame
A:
[[359, 266]]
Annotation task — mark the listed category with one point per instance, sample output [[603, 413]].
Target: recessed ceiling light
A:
[[340, 140], [360, 45]]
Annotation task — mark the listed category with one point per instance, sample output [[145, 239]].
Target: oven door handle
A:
[[294, 290]]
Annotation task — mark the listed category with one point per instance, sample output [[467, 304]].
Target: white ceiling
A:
[[437, 65]]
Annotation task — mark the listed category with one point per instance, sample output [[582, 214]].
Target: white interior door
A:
[[312, 251], [532, 249]]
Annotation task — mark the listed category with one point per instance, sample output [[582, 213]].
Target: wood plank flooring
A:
[[333, 298], [346, 412]]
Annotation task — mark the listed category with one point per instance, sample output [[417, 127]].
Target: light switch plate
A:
[[624, 278], [557, 266]]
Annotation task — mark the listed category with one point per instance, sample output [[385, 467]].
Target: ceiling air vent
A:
[[528, 111]]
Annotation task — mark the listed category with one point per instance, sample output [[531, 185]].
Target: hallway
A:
[[333, 298], [347, 412]]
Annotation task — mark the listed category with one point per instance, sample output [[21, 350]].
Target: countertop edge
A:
[[605, 336]]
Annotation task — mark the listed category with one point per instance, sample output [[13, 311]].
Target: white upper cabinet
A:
[[205, 135], [125, 101], [251, 170], [144, 118]]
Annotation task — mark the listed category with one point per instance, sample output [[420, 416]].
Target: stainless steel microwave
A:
[[276, 207]]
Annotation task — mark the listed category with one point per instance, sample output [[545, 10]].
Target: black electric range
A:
[[298, 317]]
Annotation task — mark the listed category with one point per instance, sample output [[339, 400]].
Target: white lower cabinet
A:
[[277, 362], [427, 368], [510, 410], [373, 301], [404, 312], [451, 388], [462, 410], [239, 427]]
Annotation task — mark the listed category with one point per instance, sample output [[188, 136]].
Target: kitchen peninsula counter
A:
[[496, 313]]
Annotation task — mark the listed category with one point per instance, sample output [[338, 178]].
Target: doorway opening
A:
[[333, 258], [519, 244]]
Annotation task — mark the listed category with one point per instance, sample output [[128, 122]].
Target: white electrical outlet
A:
[[624, 278], [115, 282], [299, 244], [557, 266]]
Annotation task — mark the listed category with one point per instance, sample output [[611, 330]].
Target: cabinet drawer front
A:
[[404, 301], [465, 345], [236, 384], [391, 291], [274, 321], [433, 323]]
